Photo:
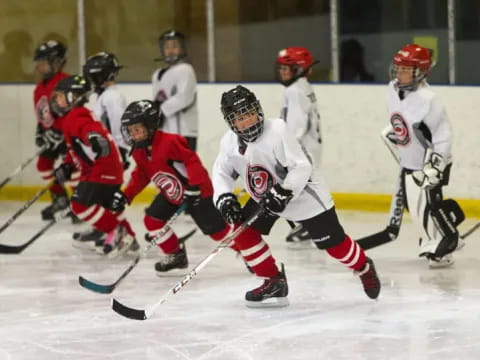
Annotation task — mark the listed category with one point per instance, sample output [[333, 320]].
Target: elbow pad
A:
[[100, 145]]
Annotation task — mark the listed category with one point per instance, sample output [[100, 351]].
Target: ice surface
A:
[[421, 313]]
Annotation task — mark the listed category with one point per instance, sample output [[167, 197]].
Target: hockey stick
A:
[[144, 314], [467, 233], [20, 168], [107, 289], [25, 206], [7, 249]]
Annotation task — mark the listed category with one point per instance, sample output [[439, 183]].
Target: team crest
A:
[[169, 185], [401, 129], [259, 180], [44, 115]]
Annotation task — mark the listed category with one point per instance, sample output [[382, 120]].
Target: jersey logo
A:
[[259, 180], [44, 115], [401, 129], [169, 185]]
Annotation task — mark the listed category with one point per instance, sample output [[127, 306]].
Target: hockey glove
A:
[[119, 201], [100, 145], [192, 195], [230, 208], [49, 139], [432, 172], [276, 199], [63, 173], [40, 140]]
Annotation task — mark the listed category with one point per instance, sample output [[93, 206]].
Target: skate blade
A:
[[268, 303], [443, 263], [178, 272], [84, 245]]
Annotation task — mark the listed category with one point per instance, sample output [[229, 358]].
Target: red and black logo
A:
[[401, 129], [44, 115], [169, 185], [259, 180]]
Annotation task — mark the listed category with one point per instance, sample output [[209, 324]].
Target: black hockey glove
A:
[[40, 140], [63, 173], [276, 199], [119, 201], [230, 208], [192, 195], [100, 145], [49, 139]]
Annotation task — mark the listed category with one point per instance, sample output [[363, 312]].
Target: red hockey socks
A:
[[102, 219], [348, 252], [256, 253], [169, 241]]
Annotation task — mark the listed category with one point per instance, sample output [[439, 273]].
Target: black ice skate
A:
[[59, 203], [88, 239], [177, 260], [272, 293], [299, 238], [370, 280]]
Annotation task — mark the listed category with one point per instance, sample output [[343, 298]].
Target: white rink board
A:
[[354, 159], [421, 314]]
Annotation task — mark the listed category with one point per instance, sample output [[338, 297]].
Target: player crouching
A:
[[279, 178], [167, 161], [90, 146]]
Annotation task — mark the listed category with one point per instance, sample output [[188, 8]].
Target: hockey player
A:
[[101, 70], [420, 134], [175, 89], [300, 112], [49, 59], [167, 161], [91, 146], [278, 176]]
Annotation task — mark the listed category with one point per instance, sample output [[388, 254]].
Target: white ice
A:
[[421, 313]]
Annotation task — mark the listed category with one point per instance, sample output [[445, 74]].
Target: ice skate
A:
[[59, 203], [370, 280], [442, 262], [299, 238], [88, 239], [173, 261], [272, 293], [118, 241]]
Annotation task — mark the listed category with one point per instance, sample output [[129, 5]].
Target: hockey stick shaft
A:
[[145, 314], [107, 289], [467, 233], [10, 249], [25, 207], [20, 168]]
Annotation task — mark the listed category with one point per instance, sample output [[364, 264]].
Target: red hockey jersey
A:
[[170, 165], [41, 97], [78, 123]]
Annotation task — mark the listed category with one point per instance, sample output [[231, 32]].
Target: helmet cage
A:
[[254, 131], [55, 53], [418, 75], [76, 90], [140, 112], [101, 68], [172, 35]]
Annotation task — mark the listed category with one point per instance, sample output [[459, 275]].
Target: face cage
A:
[[418, 76], [137, 144], [253, 132], [174, 58]]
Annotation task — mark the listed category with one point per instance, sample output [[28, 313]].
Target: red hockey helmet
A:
[[416, 56], [298, 58]]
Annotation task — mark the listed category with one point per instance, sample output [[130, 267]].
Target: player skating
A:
[[49, 58], [278, 176], [175, 89], [300, 112], [176, 170], [420, 135], [101, 70], [91, 146]]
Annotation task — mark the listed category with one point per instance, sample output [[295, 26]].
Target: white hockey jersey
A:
[[109, 108], [419, 122], [175, 88], [275, 157], [300, 111]]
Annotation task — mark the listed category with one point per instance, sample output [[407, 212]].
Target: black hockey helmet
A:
[[140, 112], [55, 53], [172, 35], [76, 90], [238, 103], [100, 68]]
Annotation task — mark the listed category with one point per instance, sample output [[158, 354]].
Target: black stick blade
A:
[[98, 288], [6, 249], [128, 312]]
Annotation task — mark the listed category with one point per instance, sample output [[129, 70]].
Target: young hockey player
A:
[[49, 59], [91, 146], [421, 137], [300, 112], [101, 70], [278, 176], [175, 89], [167, 161]]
